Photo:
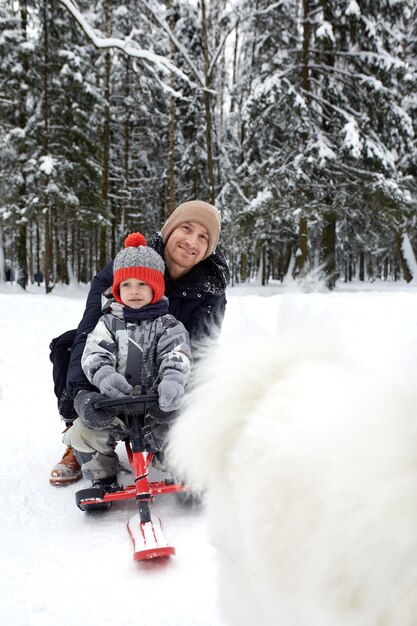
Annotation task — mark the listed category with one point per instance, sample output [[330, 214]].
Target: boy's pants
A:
[[95, 449]]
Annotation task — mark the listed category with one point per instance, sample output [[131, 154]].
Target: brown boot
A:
[[67, 471]]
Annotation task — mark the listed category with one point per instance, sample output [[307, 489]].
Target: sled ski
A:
[[148, 539], [146, 532]]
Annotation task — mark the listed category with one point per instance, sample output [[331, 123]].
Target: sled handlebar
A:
[[128, 404]]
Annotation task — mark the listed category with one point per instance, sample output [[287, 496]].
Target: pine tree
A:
[[323, 129], [18, 152]]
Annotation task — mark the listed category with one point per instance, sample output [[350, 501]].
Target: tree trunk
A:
[[403, 261], [2, 261], [306, 45], [328, 249], [171, 126], [329, 216], [48, 254], [207, 104], [22, 266], [265, 272], [171, 154], [234, 68], [48, 258], [22, 272], [301, 259], [300, 268], [361, 266], [243, 267], [38, 256], [102, 253], [121, 231]]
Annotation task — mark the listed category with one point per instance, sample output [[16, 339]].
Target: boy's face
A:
[[135, 293]]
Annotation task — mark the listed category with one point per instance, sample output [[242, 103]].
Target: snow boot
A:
[[108, 484], [92, 499], [67, 471]]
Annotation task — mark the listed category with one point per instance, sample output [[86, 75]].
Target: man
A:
[[196, 277]]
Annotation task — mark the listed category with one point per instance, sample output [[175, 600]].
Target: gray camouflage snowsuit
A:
[[142, 351]]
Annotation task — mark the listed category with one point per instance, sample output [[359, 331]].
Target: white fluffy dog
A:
[[310, 466]]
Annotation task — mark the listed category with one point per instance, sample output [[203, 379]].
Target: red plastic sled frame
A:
[[146, 533]]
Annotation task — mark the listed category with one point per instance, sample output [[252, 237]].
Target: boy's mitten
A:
[[94, 418], [111, 383], [171, 390]]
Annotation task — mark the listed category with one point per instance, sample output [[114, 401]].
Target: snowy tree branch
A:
[[127, 46], [219, 49], [240, 191], [270, 8], [325, 102], [176, 43], [355, 171]]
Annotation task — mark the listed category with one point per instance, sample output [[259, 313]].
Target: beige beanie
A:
[[195, 211]]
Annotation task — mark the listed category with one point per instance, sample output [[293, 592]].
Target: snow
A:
[[352, 139], [353, 9], [46, 164], [61, 566], [325, 31], [378, 151], [323, 148], [262, 197]]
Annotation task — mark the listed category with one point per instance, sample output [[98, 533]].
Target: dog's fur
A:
[[310, 466]]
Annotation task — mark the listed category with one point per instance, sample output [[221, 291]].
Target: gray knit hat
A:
[[139, 261], [195, 211]]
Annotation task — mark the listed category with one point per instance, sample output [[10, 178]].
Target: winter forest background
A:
[[296, 118]]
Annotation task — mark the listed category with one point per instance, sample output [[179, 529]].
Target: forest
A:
[[297, 119]]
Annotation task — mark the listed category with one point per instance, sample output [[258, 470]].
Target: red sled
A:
[[146, 532]]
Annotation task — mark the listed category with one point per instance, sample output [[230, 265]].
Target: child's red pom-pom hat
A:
[[139, 261]]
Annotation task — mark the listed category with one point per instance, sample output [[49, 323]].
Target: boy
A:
[[136, 346]]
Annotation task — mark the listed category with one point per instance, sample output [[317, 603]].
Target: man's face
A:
[[135, 293], [187, 245]]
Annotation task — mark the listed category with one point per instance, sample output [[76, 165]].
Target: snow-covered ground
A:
[[60, 566]]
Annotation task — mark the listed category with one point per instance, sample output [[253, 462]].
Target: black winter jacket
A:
[[197, 300]]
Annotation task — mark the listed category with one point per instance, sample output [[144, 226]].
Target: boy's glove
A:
[[111, 383], [94, 418], [171, 390]]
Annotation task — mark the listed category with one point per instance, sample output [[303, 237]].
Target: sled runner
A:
[[145, 531]]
